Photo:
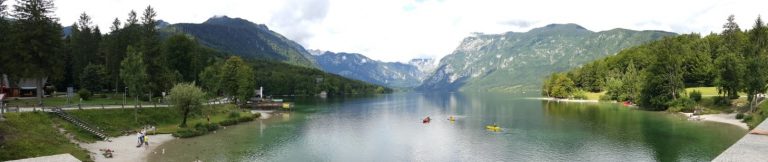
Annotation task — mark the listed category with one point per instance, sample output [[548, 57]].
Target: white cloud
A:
[[398, 30]]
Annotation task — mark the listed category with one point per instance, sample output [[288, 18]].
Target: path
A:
[[57, 158], [749, 148]]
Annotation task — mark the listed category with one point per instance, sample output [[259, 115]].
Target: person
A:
[[141, 139], [146, 142]]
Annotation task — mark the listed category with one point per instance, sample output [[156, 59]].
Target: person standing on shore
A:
[[141, 139]]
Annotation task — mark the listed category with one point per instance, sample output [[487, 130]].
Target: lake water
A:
[[389, 128]]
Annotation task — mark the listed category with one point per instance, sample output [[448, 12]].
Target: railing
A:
[[79, 123]]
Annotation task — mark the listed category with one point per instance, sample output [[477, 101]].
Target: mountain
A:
[[357, 66], [244, 38], [516, 61]]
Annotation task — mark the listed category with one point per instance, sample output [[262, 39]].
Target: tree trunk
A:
[[184, 121]]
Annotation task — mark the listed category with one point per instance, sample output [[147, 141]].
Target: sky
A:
[[399, 30]]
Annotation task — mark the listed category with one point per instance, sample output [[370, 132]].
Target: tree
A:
[[664, 82], [633, 83], [233, 77], [84, 46], [562, 86], [186, 98], [37, 38], [236, 79], [4, 38], [134, 72], [756, 62], [92, 77], [730, 73], [179, 53]]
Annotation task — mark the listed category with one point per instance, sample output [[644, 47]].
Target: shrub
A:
[[245, 119], [721, 101], [580, 95], [747, 118], [186, 133], [228, 122], [682, 104], [740, 116], [695, 95], [234, 114], [85, 94], [256, 115], [605, 98]]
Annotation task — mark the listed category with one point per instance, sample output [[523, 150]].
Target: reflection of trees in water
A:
[[670, 138]]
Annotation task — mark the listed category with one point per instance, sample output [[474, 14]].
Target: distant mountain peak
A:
[[228, 21]]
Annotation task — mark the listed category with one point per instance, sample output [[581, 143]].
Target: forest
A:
[[654, 75], [133, 56]]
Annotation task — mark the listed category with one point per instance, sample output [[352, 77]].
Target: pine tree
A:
[[37, 37]]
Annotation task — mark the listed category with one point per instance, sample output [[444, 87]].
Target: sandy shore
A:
[[125, 148], [722, 118], [265, 114], [564, 100]]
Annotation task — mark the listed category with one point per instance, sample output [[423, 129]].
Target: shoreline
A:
[[125, 149], [564, 100], [720, 118]]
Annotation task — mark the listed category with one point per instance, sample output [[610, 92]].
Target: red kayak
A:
[[426, 120]]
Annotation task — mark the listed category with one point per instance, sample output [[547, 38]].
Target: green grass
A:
[[32, 135], [758, 116], [705, 91], [107, 99], [117, 122], [595, 96]]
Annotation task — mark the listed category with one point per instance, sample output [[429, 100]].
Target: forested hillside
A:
[[655, 74]]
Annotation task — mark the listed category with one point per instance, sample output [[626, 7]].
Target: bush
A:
[[721, 101], [682, 104], [186, 133], [206, 127], [85, 94], [228, 122], [580, 95], [234, 114], [695, 95], [747, 118], [740, 116], [605, 98]]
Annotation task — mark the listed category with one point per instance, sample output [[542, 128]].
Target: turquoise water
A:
[[389, 128]]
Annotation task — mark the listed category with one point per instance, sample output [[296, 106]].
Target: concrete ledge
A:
[[57, 158], [749, 148]]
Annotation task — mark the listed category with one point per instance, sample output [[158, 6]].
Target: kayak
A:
[[452, 118], [493, 128]]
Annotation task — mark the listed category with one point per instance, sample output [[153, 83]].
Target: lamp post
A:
[[125, 94]]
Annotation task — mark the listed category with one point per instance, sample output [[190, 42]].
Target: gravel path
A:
[[125, 148]]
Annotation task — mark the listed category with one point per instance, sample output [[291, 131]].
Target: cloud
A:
[[296, 17], [398, 30]]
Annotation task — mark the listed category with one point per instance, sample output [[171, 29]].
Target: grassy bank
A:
[[117, 122], [105, 99], [28, 135]]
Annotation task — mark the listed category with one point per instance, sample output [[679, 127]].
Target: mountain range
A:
[[244, 38], [518, 61], [392, 74], [504, 62]]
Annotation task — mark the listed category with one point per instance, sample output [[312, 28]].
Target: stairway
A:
[[79, 123]]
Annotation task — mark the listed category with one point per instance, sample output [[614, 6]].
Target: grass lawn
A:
[[33, 134], [595, 96], [107, 99], [117, 122]]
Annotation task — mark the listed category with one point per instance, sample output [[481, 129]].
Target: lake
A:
[[389, 128]]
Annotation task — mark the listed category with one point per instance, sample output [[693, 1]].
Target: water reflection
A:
[[389, 128]]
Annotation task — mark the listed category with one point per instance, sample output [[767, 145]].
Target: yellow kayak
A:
[[493, 128], [452, 118]]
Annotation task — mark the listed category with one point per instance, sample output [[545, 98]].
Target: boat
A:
[[493, 128], [451, 118], [426, 120]]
